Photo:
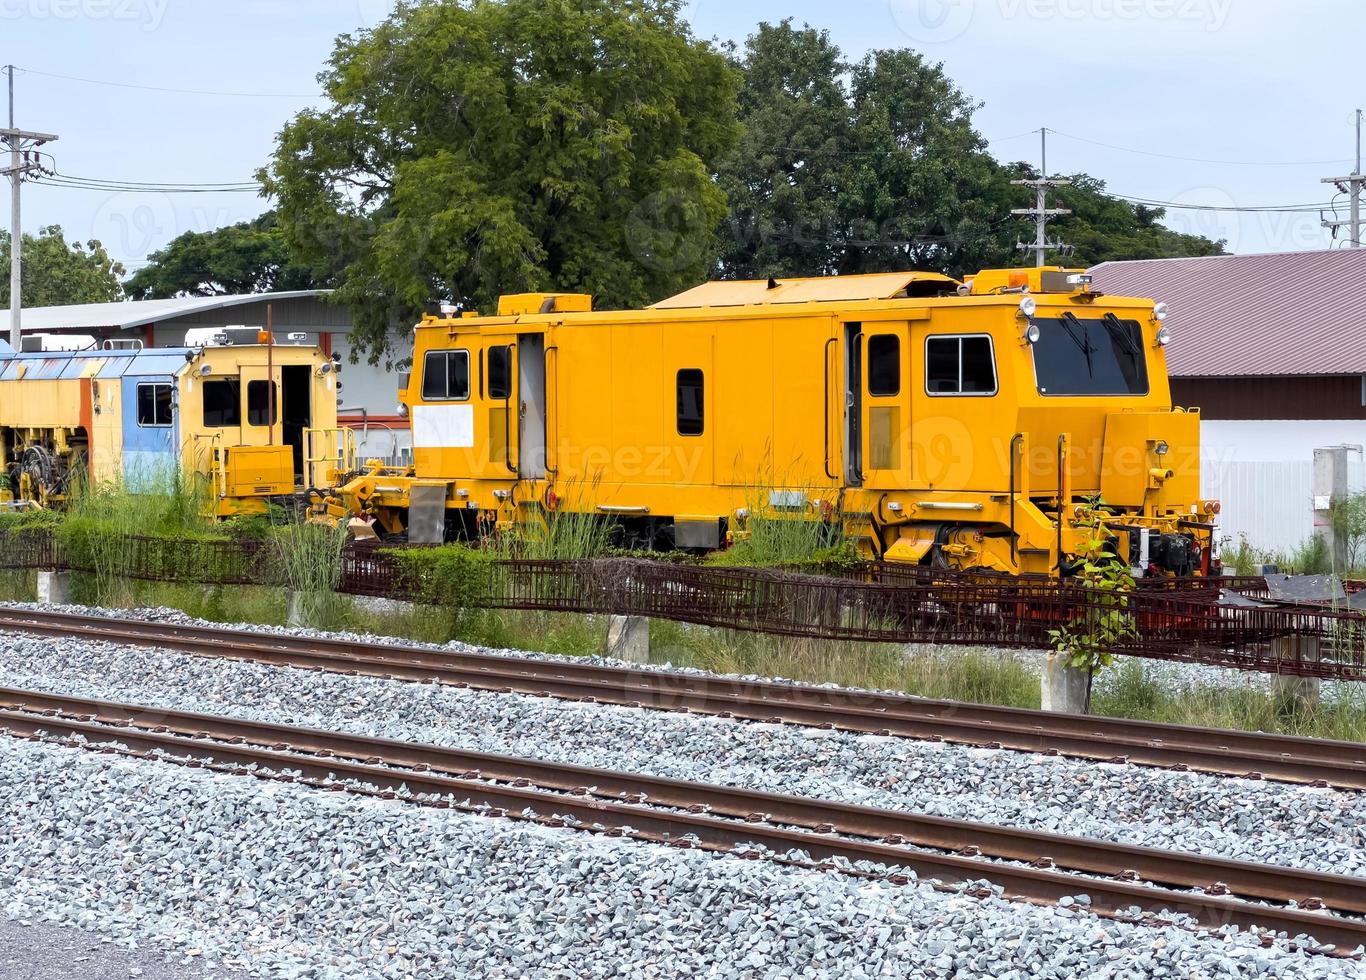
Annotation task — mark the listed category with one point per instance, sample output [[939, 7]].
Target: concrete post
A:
[[1331, 486], [54, 587], [297, 615], [1303, 691], [628, 638], [1063, 687]]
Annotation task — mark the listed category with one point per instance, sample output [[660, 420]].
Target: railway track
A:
[[1275, 757], [1030, 866]]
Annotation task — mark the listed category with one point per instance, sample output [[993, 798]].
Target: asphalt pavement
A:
[[45, 952]]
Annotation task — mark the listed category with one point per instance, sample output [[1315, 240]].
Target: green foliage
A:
[[875, 165], [56, 273], [29, 520], [1349, 525], [251, 257], [1311, 557], [1102, 228], [308, 563], [454, 576], [473, 149], [1136, 689], [1087, 641]]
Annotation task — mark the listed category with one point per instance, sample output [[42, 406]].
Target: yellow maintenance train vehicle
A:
[[252, 418], [966, 425]]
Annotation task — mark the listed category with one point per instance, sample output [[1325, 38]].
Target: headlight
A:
[[1028, 307], [1164, 337], [1160, 312], [1032, 333]]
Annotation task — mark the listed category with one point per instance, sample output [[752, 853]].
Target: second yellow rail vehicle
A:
[[969, 425]]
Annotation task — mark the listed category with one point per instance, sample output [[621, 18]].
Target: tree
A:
[[251, 257], [876, 166], [56, 273], [854, 168], [497, 146]]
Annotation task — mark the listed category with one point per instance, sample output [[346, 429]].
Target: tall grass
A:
[[309, 564], [783, 525], [1135, 689], [99, 516]]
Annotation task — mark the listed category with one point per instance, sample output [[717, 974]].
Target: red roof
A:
[[1255, 315]]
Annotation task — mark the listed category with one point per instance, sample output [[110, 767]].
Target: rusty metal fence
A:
[[1178, 621]]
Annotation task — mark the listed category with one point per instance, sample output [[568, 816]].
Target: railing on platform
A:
[[870, 603]]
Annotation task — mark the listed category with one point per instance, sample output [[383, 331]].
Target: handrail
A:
[[825, 392], [1063, 494], [1017, 441]]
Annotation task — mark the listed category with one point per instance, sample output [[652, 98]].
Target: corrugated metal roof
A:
[[827, 289], [105, 364], [138, 313], [1292, 313]]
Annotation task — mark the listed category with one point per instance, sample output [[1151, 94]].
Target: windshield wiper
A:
[[1069, 321], [1120, 333]]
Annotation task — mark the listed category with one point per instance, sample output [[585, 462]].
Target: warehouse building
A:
[[369, 393], [1272, 350]]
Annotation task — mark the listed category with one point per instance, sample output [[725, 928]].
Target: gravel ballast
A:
[[1302, 827], [286, 881]]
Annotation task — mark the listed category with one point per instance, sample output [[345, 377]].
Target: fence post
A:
[[628, 638], [1302, 692], [1062, 688], [54, 588]]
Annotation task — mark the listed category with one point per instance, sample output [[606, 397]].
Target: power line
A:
[[1351, 185], [173, 91], [1270, 209], [1222, 163], [115, 189]]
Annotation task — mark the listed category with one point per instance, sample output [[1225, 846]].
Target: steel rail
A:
[[823, 828], [1278, 757]]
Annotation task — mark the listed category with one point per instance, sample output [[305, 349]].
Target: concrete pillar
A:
[[54, 587], [628, 638], [1331, 486], [1302, 691], [298, 615], [1063, 687]]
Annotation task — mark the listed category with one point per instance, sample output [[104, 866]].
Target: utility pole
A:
[[21, 160], [1350, 185], [1041, 212]]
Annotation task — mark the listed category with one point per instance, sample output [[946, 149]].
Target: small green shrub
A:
[[454, 576]]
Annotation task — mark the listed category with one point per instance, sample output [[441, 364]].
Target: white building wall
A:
[[1262, 472]]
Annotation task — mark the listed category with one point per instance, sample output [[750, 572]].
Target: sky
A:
[[1212, 103]]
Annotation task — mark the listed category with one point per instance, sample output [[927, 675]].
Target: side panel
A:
[[743, 419], [149, 451], [681, 458]]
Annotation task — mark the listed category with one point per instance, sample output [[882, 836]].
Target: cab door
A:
[[499, 407], [150, 431], [884, 386], [260, 406]]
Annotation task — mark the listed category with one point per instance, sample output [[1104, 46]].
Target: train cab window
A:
[[884, 365], [690, 402], [960, 366], [446, 376], [1083, 356], [500, 372], [154, 405], [222, 403], [262, 402]]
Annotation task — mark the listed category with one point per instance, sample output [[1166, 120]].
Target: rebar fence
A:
[[1174, 620]]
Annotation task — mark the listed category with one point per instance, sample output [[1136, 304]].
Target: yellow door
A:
[[498, 416], [885, 395]]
